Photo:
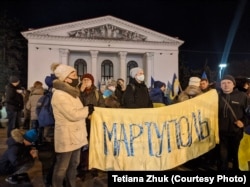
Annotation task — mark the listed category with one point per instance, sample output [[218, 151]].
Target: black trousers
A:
[[228, 150], [47, 156]]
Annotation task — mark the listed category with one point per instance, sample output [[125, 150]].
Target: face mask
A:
[[140, 77], [74, 82]]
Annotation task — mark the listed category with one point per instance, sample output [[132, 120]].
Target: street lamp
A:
[[222, 66]]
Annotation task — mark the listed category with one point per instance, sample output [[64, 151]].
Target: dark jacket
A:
[[112, 101], [157, 96], [239, 102], [119, 93], [16, 155], [136, 96], [90, 97], [14, 100]]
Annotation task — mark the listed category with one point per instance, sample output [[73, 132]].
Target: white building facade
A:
[[107, 47]]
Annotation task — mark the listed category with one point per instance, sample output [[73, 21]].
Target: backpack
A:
[[44, 110]]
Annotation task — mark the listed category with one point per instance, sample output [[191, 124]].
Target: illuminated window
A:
[[81, 67], [107, 71]]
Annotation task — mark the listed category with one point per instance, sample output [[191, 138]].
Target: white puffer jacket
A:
[[70, 115]]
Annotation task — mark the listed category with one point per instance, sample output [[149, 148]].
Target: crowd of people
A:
[[63, 147]]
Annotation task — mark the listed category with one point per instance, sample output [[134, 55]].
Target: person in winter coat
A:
[[14, 103], [19, 156], [36, 92], [242, 83], [111, 100], [120, 89], [46, 150], [192, 90], [231, 122], [89, 95], [136, 94], [157, 94], [70, 127]]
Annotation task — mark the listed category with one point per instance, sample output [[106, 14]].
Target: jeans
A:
[[66, 168], [24, 168]]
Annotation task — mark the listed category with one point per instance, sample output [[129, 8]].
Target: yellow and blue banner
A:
[[153, 138]]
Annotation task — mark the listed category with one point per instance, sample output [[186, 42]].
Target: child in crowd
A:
[[19, 156]]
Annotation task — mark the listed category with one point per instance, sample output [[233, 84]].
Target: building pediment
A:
[[101, 28], [107, 31]]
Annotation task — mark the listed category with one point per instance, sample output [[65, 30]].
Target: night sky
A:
[[203, 25]]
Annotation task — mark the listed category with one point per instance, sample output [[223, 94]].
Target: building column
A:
[[64, 56], [149, 67], [93, 70], [123, 65]]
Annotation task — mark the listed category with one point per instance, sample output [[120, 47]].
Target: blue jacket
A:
[[16, 155], [157, 96]]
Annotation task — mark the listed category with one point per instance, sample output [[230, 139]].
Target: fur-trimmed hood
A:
[[60, 85], [193, 90], [37, 91], [190, 92], [17, 135]]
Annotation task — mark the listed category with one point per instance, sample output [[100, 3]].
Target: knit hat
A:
[[229, 77], [13, 79], [89, 76], [159, 84], [194, 81], [134, 71], [31, 135], [62, 71]]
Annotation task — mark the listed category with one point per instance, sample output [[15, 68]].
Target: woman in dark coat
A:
[[136, 94], [89, 95]]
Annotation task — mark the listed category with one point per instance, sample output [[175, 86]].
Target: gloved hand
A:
[[91, 109]]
